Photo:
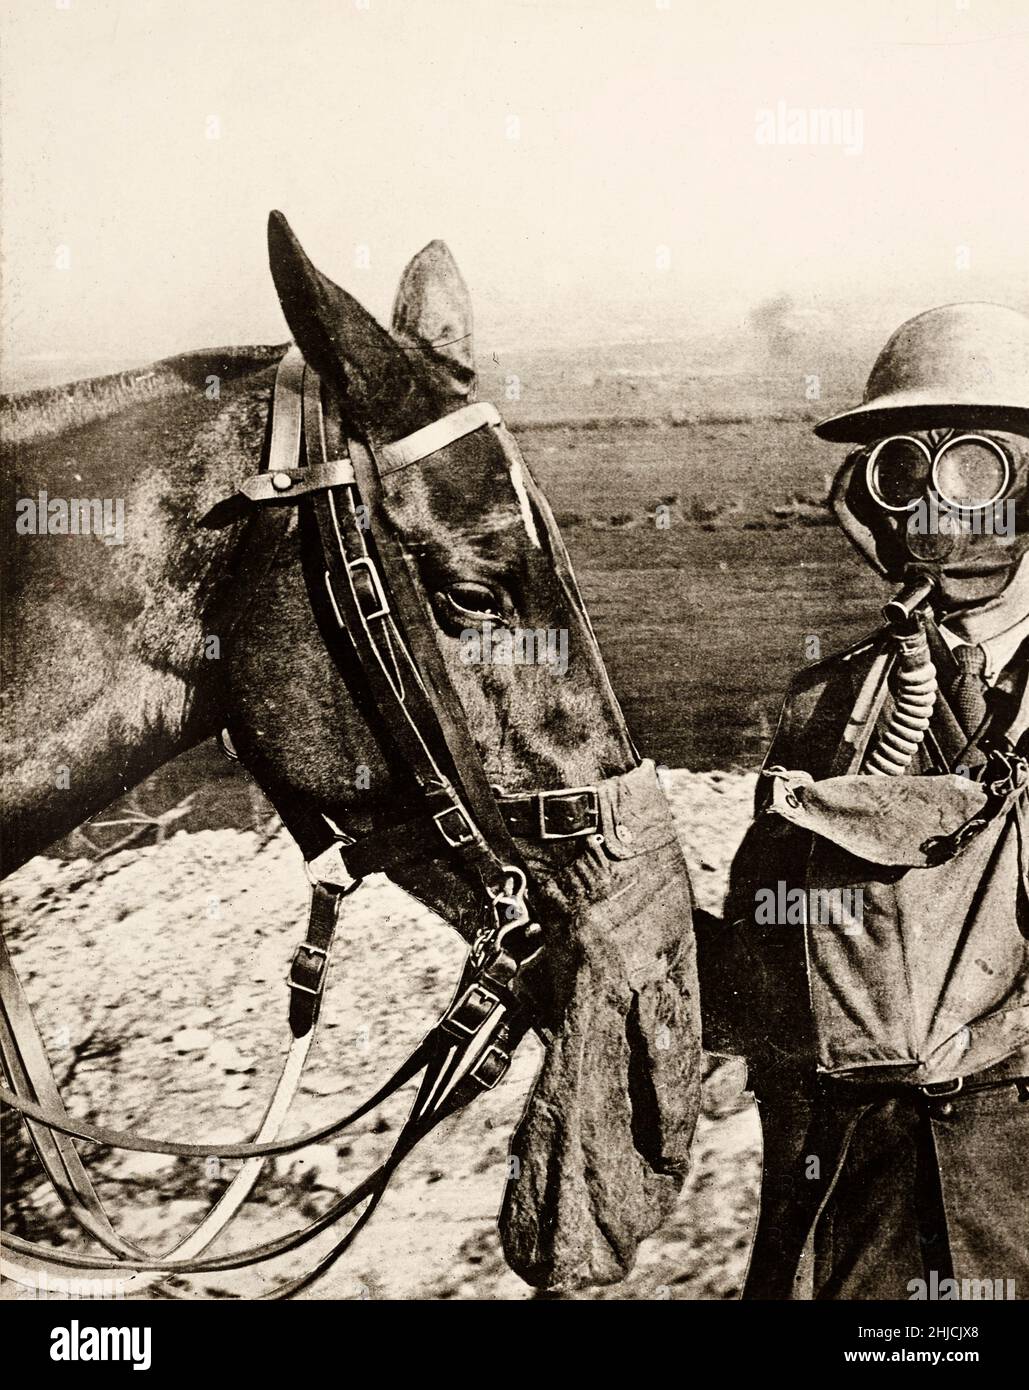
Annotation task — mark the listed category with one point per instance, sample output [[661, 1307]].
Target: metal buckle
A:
[[943, 1088], [470, 1012], [594, 807], [465, 837], [317, 954], [491, 1067], [363, 562]]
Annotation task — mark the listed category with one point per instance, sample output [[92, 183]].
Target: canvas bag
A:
[[933, 984], [604, 1144]]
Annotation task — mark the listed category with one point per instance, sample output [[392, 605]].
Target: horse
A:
[[204, 610]]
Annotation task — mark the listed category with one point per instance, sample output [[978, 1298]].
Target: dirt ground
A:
[[158, 979]]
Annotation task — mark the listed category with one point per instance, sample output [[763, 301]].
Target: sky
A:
[[600, 168]]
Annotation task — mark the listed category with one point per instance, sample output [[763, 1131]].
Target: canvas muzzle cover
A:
[[926, 977], [603, 1146]]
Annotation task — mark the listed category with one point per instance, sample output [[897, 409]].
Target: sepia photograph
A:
[[515, 667]]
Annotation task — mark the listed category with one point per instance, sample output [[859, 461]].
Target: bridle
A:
[[373, 592]]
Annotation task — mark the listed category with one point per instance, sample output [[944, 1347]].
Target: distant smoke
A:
[[771, 320]]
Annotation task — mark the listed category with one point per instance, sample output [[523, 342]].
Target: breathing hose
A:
[[914, 685]]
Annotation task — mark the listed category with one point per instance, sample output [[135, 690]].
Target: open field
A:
[[702, 623]]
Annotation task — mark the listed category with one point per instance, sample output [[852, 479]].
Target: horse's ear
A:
[[432, 315], [338, 338]]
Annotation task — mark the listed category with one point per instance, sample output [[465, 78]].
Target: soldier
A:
[[873, 967]]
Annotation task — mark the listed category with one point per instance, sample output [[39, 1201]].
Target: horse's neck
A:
[[111, 644]]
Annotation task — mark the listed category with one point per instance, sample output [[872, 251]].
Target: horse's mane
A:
[[28, 416]]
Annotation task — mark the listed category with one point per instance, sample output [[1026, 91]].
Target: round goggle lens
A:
[[898, 473], [969, 473]]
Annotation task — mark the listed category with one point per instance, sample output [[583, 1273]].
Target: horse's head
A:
[[506, 649]]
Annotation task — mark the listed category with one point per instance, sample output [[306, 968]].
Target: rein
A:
[[373, 593]]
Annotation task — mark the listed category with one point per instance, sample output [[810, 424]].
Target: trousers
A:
[[889, 1195]]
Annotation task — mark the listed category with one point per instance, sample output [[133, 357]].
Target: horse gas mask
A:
[[943, 506]]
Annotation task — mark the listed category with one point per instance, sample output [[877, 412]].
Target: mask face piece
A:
[[972, 471], [967, 471], [897, 472], [947, 504]]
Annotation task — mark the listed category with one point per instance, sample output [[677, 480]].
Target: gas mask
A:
[[946, 506], [935, 498]]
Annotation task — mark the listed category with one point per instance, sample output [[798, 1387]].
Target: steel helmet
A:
[[961, 364]]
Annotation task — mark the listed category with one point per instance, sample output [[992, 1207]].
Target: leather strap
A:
[[439, 1058], [284, 444], [439, 702], [20, 1037], [310, 963], [132, 1142], [545, 815], [285, 484], [859, 1092], [371, 1188], [283, 480], [27, 1065], [432, 438], [565, 814], [431, 736]]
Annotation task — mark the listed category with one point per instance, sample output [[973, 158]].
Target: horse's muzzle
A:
[[603, 1147]]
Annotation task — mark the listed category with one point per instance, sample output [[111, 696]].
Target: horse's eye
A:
[[473, 600]]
